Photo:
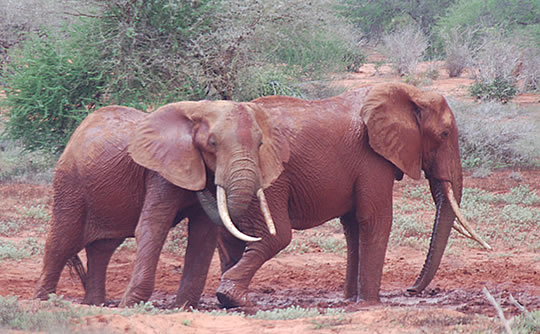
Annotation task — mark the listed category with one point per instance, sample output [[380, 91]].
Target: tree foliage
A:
[[147, 53]]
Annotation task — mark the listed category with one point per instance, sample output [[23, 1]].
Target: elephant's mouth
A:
[[221, 216]]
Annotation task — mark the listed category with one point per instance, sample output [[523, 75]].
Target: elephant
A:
[[345, 153], [127, 173]]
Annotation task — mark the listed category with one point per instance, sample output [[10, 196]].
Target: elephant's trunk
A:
[[447, 210], [444, 219], [226, 219], [234, 199]]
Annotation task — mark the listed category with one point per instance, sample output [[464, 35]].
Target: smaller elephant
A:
[[345, 154], [126, 173]]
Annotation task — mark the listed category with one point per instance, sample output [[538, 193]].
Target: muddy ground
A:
[[312, 277]]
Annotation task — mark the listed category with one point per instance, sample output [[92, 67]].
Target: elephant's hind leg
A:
[[64, 241], [99, 254]]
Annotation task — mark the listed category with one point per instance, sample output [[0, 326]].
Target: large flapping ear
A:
[[163, 143], [392, 116], [274, 150]]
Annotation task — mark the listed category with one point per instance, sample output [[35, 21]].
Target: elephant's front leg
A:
[[350, 229], [156, 219], [202, 235], [233, 289], [374, 234]]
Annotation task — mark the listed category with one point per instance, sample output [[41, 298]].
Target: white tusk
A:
[[266, 212], [226, 218], [461, 219]]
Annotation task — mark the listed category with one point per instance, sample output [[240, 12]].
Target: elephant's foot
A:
[[185, 301], [129, 300], [230, 295], [93, 300], [43, 294]]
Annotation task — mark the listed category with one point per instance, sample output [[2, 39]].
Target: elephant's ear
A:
[[163, 143], [274, 150], [392, 116]]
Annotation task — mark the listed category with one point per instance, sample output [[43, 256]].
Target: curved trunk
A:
[[209, 205], [226, 219], [444, 220], [234, 199]]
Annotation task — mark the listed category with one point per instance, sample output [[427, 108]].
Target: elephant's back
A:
[[97, 168]]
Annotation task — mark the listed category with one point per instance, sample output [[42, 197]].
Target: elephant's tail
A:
[[75, 264]]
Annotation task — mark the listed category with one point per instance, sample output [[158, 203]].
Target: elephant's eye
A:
[[212, 141], [445, 134]]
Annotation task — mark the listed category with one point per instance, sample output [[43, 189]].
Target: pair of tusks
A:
[[227, 221], [462, 226]]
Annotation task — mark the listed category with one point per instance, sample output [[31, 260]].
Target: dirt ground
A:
[[453, 302]]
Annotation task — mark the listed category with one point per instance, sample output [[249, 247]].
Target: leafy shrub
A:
[[285, 40], [146, 53], [375, 18], [499, 89], [495, 65], [508, 15], [255, 81], [146, 45], [405, 48], [53, 85]]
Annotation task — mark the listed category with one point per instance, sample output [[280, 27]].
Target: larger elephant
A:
[[127, 173], [345, 153]]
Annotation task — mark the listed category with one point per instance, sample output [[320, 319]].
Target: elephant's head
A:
[[235, 141], [416, 130]]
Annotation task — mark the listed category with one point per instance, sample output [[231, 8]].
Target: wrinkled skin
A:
[[126, 173], [345, 153]]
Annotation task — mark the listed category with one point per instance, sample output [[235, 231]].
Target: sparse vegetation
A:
[[18, 165], [405, 48], [294, 312], [494, 135], [31, 246], [459, 49]]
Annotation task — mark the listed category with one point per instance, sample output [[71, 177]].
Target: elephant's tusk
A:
[[458, 227], [266, 212], [461, 219], [226, 218]]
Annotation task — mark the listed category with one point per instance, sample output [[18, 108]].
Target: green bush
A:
[[145, 47], [507, 15], [499, 89], [147, 53], [52, 85]]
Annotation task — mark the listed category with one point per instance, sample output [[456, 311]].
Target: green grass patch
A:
[[10, 228], [53, 316], [21, 250], [294, 312]]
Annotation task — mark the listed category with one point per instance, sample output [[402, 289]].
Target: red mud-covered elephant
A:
[[126, 173], [345, 153]]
